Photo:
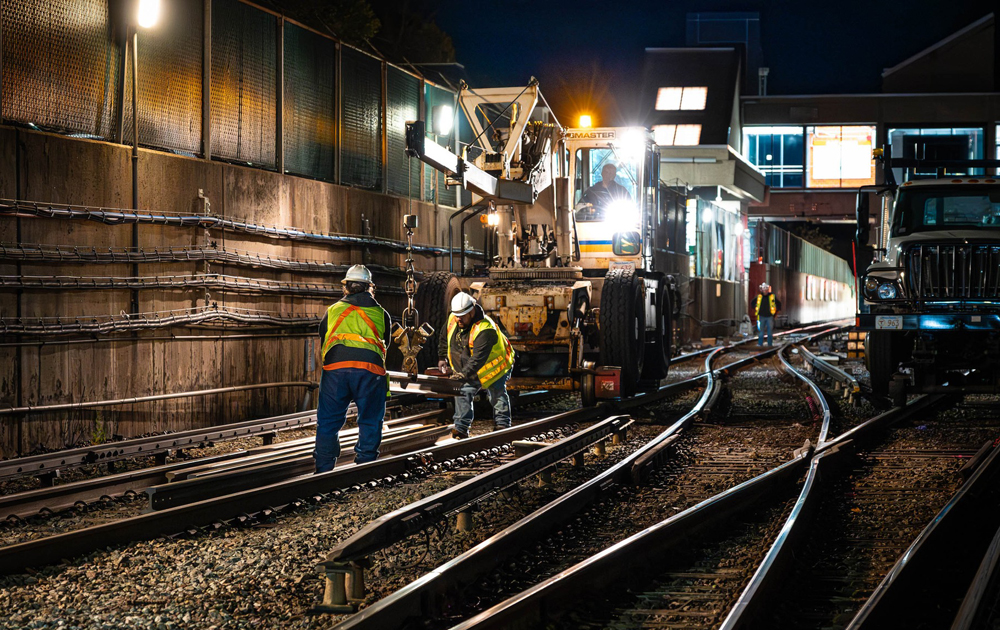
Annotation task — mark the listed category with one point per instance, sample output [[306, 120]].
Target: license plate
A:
[[621, 264], [888, 322]]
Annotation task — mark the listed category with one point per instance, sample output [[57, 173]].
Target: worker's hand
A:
[[444, 367], [457, 376]]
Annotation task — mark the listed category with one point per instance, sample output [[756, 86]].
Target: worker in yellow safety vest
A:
[[474, 350], [765, 309], [355, 334]]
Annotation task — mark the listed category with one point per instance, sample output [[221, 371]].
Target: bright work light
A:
[[585, 121], [442, 118], [148, 13]]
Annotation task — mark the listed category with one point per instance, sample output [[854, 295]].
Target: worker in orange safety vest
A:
[[355, 333]]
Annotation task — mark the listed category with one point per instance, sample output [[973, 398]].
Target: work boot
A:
[[499, 427], [459, 434]]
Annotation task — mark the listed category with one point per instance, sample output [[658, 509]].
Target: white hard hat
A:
[[358, 273], [462, 303], [764, 287]]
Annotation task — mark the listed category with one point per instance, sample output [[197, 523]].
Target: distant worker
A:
[[601, 194], [765, 309], [475, 351], [355, 334]]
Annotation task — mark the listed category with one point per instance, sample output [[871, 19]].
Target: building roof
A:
[[982, 23]]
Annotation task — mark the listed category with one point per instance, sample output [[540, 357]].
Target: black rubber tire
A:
[[656, 362], [433, 302], [588, 391], [623, 326], [884, 351]]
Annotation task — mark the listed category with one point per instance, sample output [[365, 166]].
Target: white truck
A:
[[930, 301]]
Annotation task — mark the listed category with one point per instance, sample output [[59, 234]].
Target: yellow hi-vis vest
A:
[[501, 358], [771, 303], [356, 327]]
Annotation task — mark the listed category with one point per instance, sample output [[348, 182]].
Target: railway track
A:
[[258, 507]]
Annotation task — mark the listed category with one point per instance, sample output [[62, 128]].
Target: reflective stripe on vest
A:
[[356, 327], [501, 357], [771, 304]]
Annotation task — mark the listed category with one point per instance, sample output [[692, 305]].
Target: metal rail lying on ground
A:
[[840, 377], [17, 558], [280, 468], [62, 496], [48, 463]]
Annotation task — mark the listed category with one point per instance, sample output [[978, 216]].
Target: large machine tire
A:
[[656, 361], [884, 351], [623, 326], [433, 301]]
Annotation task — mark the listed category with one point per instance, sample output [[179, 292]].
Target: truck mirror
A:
[[863, 213]]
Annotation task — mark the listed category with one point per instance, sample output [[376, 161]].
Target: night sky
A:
[[588, 55]]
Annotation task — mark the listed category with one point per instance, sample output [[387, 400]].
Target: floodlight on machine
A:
[[632, 145], [442, 119], [585, 121], [622, 216]]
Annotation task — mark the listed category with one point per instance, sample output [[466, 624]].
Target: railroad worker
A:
[[765, 309], [606, 191], [355, 334], [475, 351]]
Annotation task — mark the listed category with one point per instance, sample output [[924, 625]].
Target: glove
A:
[[444, 367], [457, 376]]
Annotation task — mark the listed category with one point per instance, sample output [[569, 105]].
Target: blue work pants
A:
[[498, 398], [337, 389], [765, 323]]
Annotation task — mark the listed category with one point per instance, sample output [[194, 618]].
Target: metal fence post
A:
[[206, 82], [279, 131]]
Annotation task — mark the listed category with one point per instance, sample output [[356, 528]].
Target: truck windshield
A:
[[926, 209], [592, 165]]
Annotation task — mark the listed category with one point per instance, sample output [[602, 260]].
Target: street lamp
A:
[[147, 14]]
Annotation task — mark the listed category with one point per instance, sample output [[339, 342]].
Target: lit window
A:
[[677, 98], [840, 156], [668, 99], [777, 152], [677, 135], [663, 135], [688, 135], [694, 98]]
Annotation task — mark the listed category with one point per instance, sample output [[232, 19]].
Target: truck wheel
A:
[[656, 359], [433, 302], [884, 351], [623, 326]]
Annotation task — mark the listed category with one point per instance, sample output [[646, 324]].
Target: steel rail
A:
[[242, 476], [834, 372], [635, 559], [399, 524], [420, 598], [17, 558], [62, 496], [892, 601], [826, 459], [975, 605], [769, 573], [112, 451]]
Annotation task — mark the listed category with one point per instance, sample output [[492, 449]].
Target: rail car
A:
[[812, 284]]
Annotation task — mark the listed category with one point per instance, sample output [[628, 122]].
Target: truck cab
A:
[[930, 300]]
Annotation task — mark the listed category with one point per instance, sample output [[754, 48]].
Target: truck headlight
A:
[[871, 285], [887, 291]]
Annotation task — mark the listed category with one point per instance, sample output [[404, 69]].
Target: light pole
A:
[[147, 13]]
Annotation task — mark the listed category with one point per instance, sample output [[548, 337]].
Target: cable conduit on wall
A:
[[216, 282], [42, 253], [118, 216], [202, 315]]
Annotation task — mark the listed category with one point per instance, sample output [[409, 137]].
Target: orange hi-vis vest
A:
[[771, 304], [501, 358], [356, 327]]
